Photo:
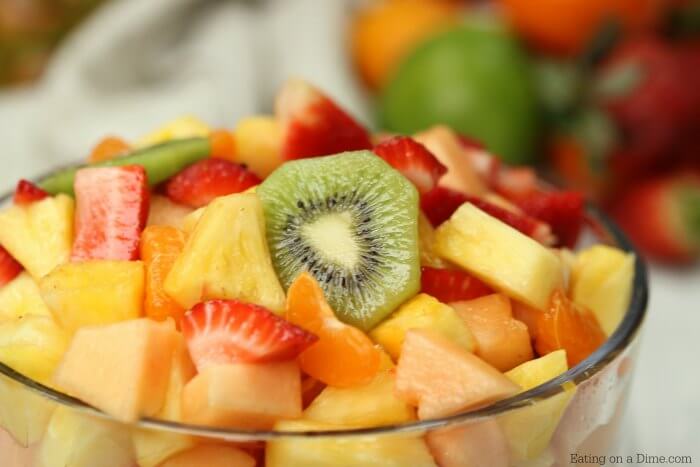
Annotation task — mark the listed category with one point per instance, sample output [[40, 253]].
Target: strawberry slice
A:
[[413, 160], [111, 212], [452, 285], [315, 125], [563, 211], [228, 331], [9, 267], [440, 203], [198, 184], [662, 217], [27, 192], [515, 183]]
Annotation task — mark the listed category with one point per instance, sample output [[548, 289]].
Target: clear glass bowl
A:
[[576, 414]]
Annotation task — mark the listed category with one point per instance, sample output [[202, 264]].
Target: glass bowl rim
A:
[[617, 343]]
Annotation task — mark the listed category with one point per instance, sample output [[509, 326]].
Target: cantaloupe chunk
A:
[[39, 235], [499, 255], [243, 395], [78, 440], [24, 414], [601, 281], [529, 430], [442, 378], [211, 455], [226, 256], [422, 312], [502, 341], [367, 451], [162, 211], [94, 293], [21, 297], [473, 445], [122, 369], [154, 446]]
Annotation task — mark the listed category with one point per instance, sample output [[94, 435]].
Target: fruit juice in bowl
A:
[[298, 292]]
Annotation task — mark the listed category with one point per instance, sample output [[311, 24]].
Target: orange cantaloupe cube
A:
[[211, 455], [122, 368], [476, 444], [242, 395], [441, 378]]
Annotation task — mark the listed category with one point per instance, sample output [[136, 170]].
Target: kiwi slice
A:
[[351, 220]]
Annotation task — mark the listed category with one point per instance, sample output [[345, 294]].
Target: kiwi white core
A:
[[332, 236]]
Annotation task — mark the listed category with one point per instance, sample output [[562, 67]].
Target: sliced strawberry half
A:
[[440, 203], [314, 125], [111, 211], [413, 160], [563, 211], [198, 184], [27, 192], [9, 267], [452, 285], [229, 331]]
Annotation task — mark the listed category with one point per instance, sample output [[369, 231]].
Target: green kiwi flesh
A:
[[350, 220]]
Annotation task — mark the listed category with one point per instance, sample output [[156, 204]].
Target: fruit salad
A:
[[296, 274]]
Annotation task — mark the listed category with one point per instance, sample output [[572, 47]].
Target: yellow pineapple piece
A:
[[422, 312], [186, 126], [259, 144], [373, 404], [32, 345], [122, 369], [426, 243], [380, 451], [601, 281], [74, 439], [153, 446], [20, 298], [500, 256], [190, 220], [39, 235], [162, 211], [94, 292], [24, 414], [529, 430], [226, 256]]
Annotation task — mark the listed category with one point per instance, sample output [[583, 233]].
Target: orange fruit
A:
[[223, 144], [382, 34], [343, 356], [109, 148], [160, 247]]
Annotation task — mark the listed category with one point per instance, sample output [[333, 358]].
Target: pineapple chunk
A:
[[21, 298], [529, 430], [422, 312], [226, 256], [259, 144], [373, 404], [24, 414], [39, 235], [190, 221], [32, 345], [74, 439], [426, 243], [186, 126], [94, 292], [601, 281], [500, 256], [122, 369], [367, 451]]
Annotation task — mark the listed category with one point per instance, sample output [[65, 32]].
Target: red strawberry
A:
[[111, 211], [662, 217], [200, 183], [451, 285], [315, 125], [440, 203], [562, 210], [9, 267], [27, 192], [516, 183], [229, 331], [413, 160]]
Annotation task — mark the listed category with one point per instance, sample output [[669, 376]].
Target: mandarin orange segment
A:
[[343, 356], [109, 148], [160, 246], [223, 145], [567, 326]]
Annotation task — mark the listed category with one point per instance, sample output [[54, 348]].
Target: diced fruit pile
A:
[[322, 283]]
